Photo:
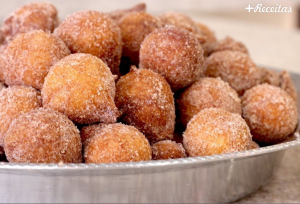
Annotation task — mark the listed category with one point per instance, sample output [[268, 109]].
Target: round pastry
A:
[[230, 44], [2, 61], [174, 53], [33, 16], [43, 136], [270, 112], [146, 102], [270, 77], [167, 149], [135, 27], [29, 57], [287, 84], [15, 101], [211, 39], [216, 131], [207, 93], [118, 14], [253, 145], [234, 67], [87, 132], [94, 33], [82, 87], [117, 143]]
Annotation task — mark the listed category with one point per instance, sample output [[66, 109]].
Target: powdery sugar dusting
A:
[[82, 87], [118, 14], [167, 149], [229, 43], [216, 131], [207, 93], [2, 61], [270, 113], [117, 143], [94, 33], [30, 17], [43, 136], [234, 67], [87, 132], [29, 57], [146, 101], [15, 101], [210, 38], [175, 54]]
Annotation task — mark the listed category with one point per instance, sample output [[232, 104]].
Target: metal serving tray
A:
[[218, 178]]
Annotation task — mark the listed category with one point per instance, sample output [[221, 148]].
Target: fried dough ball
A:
[[117, 143], [234, 67], [94, 33], [43, 136], [134, 28], [270, 112], [167, 149], [82, 87], [118, 14], [146, 102], [207, 93], [33, 16], [14, 101], [30, 56], [270, 77], [211, 39], [287, 84], [253, 145], [2, 61], [174, 53], [229, 43], [87, 132], [216, 131]]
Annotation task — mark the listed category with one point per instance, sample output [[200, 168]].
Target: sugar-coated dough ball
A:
[[167, 149], [15, 101], [234, 67], [30, 56], [33, 16], [117, 143], [43, 136], [175, 53], [211, 39], [270, 112], [207, 93], [229, 43], [216, 131], [118, 14], [94, 33], [89, 131], [82, 87], [146, 102]]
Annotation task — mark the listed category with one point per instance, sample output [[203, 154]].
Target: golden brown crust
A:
[[234, 67], [167, 149], [33, 16], [15, 101], [174, 53], [118, 14], [253, 145], [94, 33], [270, 112], [134, 28], [43, 136], [29, 57], [82, 87], [146, 101], [207, 93], [216, 131], [117, 143], [87, 132]]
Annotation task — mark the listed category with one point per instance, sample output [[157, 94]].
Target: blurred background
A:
[[273, 39]]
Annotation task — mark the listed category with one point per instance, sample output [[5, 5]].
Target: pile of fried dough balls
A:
[[128, 86]]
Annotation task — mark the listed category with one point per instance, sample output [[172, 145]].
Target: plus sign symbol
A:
[[249, 8]]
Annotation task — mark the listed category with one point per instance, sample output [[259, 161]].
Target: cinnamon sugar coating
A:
[[94, 33], [146, 102], [216, 131], [175, 53], [253, 145], [43, 136], [89, 131], [82, 87], [117, 143], [167, 149], [15, 101], [229, 43], [211, 39], [118, 14], [2, 61], [207, 93], [33, 16], [270, 112], [29, 57], [234, 67], [287, 84], [135, 27]]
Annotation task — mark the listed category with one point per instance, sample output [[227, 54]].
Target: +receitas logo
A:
[[269, 9]]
